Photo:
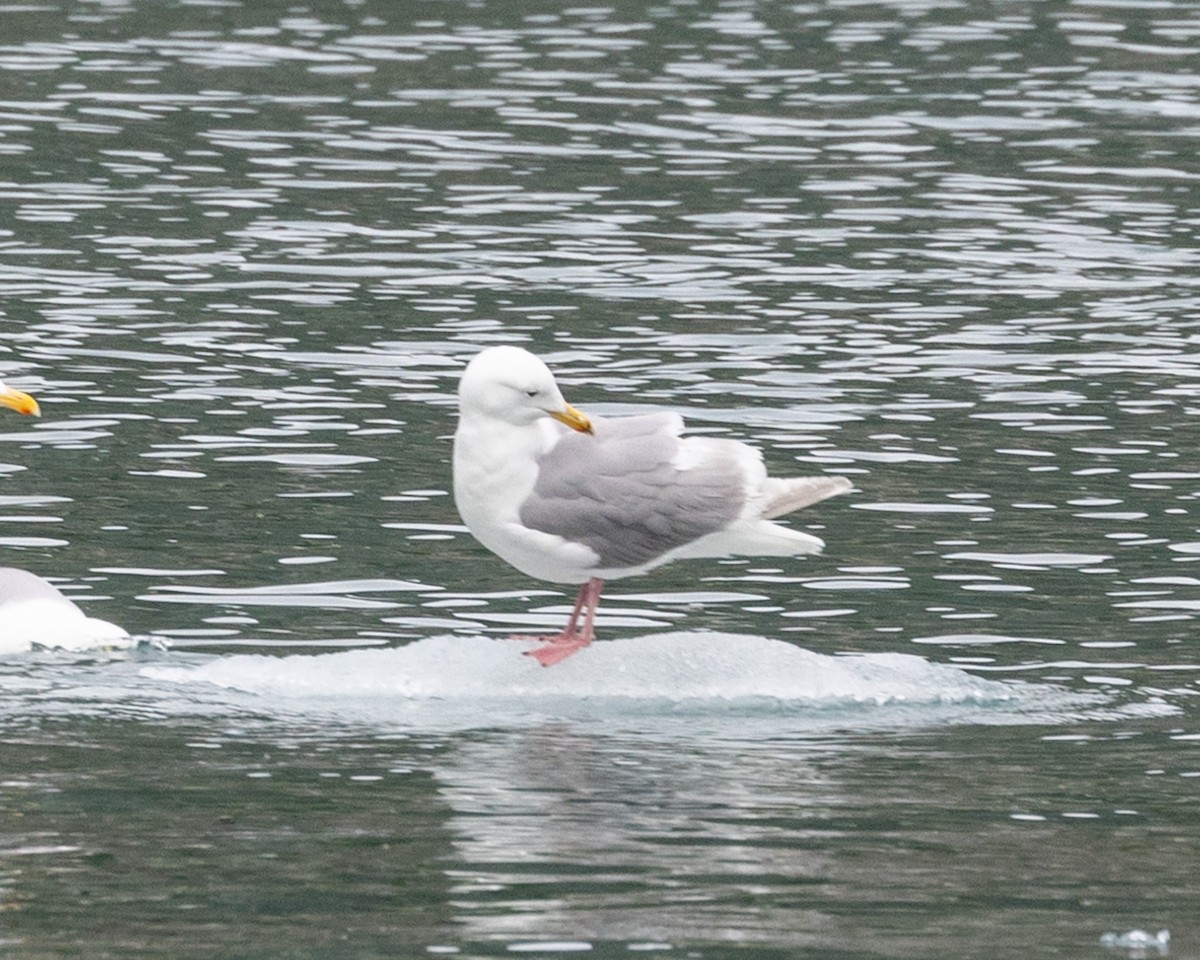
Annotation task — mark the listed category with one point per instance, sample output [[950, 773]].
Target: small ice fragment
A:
[[1139, 943]]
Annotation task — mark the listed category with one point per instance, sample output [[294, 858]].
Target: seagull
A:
[[574, 499], [33, 612]]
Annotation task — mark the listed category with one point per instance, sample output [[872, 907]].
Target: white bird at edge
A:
[[572, 499], [33, 612]]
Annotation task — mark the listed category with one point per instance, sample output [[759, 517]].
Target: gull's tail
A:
[[755, 535], [783, 496]]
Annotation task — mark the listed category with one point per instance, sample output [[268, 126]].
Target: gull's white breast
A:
[[495, 470]]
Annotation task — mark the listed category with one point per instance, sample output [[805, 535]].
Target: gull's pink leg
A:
[[580, 600], [570, 642], [557, 648], [567, 632]]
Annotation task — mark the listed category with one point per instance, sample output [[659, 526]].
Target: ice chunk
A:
[[1139, 943], [471, 681]]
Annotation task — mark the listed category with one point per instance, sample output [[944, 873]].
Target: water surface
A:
[[945, 249]]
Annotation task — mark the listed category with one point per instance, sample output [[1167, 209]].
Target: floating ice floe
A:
[[1139, 943], [680, 666], [468, 681]]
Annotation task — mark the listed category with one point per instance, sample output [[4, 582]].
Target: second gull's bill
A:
[[21, 402], [572, 499]]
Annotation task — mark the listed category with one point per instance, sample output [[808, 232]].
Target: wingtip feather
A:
[[784, 496]]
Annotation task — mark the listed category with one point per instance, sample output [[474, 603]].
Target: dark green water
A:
[[944, 248]]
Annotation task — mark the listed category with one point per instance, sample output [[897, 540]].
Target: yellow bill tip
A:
[[573, 418], [21, 402]]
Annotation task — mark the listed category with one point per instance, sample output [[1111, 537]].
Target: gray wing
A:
[[620, 493]]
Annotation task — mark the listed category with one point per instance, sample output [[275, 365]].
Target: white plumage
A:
[[34, 613]]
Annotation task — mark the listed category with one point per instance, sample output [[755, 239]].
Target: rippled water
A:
[[945, 248]]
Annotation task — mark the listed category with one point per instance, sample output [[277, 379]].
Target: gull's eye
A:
[[532, 393]]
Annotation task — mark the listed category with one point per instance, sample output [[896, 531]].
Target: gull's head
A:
[[21, 402], [512, 385]]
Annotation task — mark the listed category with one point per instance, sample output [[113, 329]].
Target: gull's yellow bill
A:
[[573, 418], [21, 402]]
